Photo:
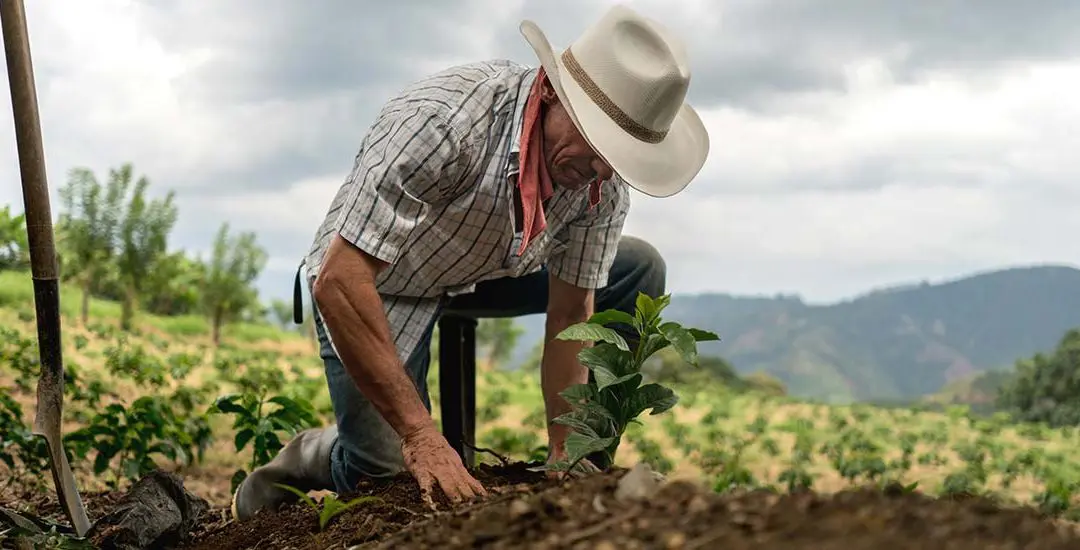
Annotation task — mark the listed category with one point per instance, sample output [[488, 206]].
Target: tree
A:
[[143, 239], [87, 229], [227, 289], [14, 246], [1046, 388], [281, 313], [172, 288], [498, 336]]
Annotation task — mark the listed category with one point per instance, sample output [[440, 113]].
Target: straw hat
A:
[[624, 84]]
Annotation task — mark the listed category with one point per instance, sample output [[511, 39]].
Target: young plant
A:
[[256, 423], [603, 408], [331, 506]]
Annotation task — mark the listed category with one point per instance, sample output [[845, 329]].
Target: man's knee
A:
[[645, 263]]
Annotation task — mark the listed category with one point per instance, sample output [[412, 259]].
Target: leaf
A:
[[237, 478], [228, 404], [607, 356], [682, 341], [576, 423], [101, 463], [303, 495], [332, 507], [242, 438], [587, 332], [703, 335], [578, 394], [613, 316], [598, 409], [578, 445], [650, 396], [645, 310], [651, 344]]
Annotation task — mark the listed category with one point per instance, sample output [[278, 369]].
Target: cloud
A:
[[855, 142]]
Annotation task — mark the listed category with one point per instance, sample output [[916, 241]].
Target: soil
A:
[[526, 510]]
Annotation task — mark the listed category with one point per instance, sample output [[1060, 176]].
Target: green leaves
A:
[[261, 426], [614, 398]]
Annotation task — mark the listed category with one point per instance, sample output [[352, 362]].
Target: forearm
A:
[[358, 327], [559, 369]]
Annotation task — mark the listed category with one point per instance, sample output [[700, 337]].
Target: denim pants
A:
[[368, 447]]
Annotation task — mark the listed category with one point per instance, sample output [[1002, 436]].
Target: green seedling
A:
[[603, 408], [331, 506]]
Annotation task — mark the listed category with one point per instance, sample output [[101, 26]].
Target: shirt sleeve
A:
[[592, 239], [411, 158]]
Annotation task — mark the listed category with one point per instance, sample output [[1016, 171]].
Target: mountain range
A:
[[892, 344]]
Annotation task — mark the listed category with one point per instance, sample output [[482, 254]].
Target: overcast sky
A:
[[855, 143]]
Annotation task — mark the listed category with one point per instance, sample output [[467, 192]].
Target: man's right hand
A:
[[430, 459]]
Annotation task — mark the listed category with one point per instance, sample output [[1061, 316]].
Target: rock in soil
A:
[[524, 510], [156, 512]]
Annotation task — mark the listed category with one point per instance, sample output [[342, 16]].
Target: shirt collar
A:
[[519, 108]]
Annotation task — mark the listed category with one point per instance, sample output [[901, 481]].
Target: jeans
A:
[[368, 447]]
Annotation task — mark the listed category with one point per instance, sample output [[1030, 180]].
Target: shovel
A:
[[43, 264]]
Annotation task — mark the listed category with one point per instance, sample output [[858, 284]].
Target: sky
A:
[[855, 143]]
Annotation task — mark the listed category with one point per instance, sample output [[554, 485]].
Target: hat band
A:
[[617, 115]]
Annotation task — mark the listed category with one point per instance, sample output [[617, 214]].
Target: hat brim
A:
[[655, 169]]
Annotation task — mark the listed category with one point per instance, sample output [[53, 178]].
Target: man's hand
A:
[[430, 460], [355, 318]]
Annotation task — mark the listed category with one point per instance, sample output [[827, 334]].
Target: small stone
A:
[[637, 484], [519, 508], [598, 505], [605, 545], [697, 505], [674, 540]]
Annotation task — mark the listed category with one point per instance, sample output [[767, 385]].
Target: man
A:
[[487, 190]]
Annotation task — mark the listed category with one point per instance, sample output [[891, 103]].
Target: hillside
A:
[[894, 344]]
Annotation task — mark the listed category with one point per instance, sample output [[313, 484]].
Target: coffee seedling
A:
[[603, 408]]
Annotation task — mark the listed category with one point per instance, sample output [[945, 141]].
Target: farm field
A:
[[743, 469]]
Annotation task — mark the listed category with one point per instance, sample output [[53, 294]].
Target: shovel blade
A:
[[66, 489]]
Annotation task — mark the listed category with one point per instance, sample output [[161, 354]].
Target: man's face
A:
[[572, 163]]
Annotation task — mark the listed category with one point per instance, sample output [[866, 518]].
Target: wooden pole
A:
[[43, 264]]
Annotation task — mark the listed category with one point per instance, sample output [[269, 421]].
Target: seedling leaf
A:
[[682, 341], [703, 335], [588, 332], [580, 445], [613, 316], [651, 396]]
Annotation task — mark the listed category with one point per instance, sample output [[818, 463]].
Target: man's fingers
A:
[[451, 489], [478, 487], [425, 481]]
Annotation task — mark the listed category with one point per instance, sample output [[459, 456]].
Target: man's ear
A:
[[547, 93]]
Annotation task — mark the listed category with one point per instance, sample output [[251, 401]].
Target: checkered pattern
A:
[[430, 193]]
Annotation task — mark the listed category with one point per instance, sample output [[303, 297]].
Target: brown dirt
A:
[[525, 510]]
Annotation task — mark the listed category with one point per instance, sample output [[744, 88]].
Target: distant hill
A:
[[899, 343]]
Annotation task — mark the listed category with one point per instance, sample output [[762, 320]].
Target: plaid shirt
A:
[[431, 194]]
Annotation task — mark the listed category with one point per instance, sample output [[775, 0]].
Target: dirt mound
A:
[[526, 511]]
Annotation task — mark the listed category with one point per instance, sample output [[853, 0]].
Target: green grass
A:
[[17, 292]]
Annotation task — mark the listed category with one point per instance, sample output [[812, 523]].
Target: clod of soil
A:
[[156, 512], [525, 510]]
